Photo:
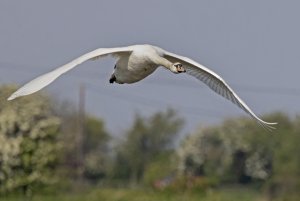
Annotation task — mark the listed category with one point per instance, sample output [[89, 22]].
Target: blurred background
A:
[[167, 137]]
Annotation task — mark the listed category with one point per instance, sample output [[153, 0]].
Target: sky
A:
[[253, 45]]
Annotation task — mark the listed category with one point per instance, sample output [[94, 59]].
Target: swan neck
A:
[[163, 62]]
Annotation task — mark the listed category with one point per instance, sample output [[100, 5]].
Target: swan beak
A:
[[180, 69]]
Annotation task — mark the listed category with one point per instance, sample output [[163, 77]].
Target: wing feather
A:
[[216, 83], [45, 79]]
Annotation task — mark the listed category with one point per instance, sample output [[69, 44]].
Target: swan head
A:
[[177, 68]]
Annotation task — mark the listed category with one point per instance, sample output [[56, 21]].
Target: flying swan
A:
[[136, 62]]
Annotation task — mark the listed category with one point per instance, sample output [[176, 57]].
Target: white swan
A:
[[137, 62]]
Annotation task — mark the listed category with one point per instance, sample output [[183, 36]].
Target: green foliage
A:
[[239, 151], [90, 155], [95, 149], [96, 136], [161, 168], [202, 154], [237, 148], [28, 141], [285, 179], [147, 138], [234, 152]]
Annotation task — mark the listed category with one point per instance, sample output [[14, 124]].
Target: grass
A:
[[109, 194]]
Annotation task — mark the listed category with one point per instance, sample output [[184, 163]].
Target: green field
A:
[[109, 194]]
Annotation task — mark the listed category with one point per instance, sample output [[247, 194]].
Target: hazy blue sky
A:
[[254, 45]]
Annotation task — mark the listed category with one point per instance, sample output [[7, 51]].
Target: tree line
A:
[[39, 147]]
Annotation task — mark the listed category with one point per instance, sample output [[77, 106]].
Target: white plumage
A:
[[136, 62]]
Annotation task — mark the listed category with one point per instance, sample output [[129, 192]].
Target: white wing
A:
[[215, 82], [43, 80]]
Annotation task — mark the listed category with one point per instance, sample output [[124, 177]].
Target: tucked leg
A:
[[112, 78]]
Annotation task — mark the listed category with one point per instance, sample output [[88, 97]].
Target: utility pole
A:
[[80, 132]]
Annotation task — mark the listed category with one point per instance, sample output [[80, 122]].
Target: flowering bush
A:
[[28, 141], [235, 151]]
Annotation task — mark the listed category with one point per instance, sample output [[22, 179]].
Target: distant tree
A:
[[146, 138], [203, 154], [162, 167], [94, 145], [238, 150], [285, 178], [28, 141], [95, 149]]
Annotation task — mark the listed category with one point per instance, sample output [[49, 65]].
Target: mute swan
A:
[[136, 62]]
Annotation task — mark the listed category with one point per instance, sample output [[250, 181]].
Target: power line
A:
[[132, 98], [187, 84], [244, 88]]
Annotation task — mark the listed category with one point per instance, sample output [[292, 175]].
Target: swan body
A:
[[136, 62], [136, 66]]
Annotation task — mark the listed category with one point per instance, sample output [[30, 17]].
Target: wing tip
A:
[[268, 125], [17, 94], [12, 97]]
